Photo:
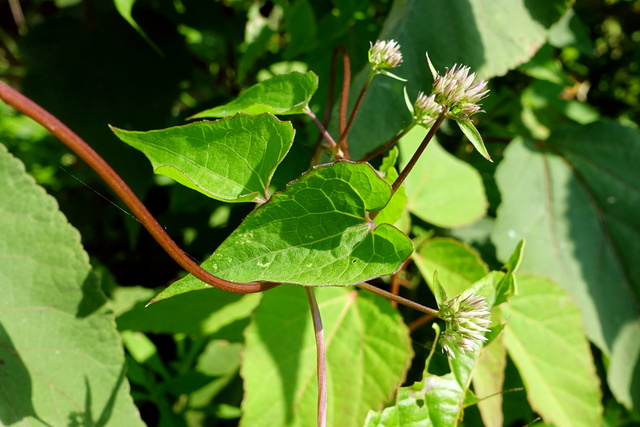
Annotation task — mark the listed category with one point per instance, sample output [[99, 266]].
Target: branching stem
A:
[[321, 356], [397, 298], [102, 168], [388, 144]]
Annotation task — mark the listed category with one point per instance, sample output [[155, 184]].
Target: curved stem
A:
[[102, 168], [321, 356], [398, 299]]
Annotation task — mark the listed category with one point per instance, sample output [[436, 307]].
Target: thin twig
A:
[[403, 175], [321, 356], [344, 102], [395, 280], [421, 321], [388, 144], [106, 172], [356, 107], [397, 298]]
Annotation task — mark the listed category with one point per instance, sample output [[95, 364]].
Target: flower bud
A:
[[385, 54], [467, 319], [457, 91], [426, 110]]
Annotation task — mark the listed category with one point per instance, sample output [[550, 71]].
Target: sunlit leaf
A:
[[281, 94], [231, 160], [368, 353]]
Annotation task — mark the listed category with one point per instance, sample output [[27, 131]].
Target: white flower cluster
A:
[[467, 320]]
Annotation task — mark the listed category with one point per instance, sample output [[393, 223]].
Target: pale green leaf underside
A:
[[231, 160], [281, 94], [457, 264], [441, 189], [576, 205], [62, 362], [472, 134], [368, 353], [315, 233], [545, 338]]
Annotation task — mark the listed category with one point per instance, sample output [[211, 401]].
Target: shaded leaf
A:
[[545, 338], [281, 94], [574, 199], [316, 232], [198, 313], [231, 160], [368, 353], [61, 361]]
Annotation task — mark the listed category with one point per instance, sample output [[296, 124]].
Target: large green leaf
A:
[[61, 361], [316, 232], [231, 160], [368, 353], [545, 338], [491, 37], [441, 189], [197, 313], [281, 94], [457, 264], [574, 199]]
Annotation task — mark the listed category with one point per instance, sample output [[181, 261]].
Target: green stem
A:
[[106, 172], [321, 358], [398, 299]]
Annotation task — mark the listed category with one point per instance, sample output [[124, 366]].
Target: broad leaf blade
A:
[[281, 94], [316, 233], [545, 338], [578, 213], [457, 264], [368, 353], [441, 189], [232, 160], [62, 362]]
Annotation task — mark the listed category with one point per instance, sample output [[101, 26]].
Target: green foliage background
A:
[[560, 124]]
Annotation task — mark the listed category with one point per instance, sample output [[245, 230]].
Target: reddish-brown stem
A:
[[321, 357], [414, 159], [395, 280], [387, 145], [421, 321], [356, 107], [344, 101], [400, 300], [102, 168]]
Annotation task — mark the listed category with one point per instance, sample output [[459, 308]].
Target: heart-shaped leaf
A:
[[281, 94], [368, 353], [316, 232], [231, 160]]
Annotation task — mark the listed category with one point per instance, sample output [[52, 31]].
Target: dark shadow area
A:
[[15, 384], [284, 341], [546, 13]]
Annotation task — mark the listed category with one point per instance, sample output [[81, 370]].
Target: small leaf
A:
[[472, 134], [124, 8], [315, 232], [394, 210], [232, 160], [281, 94], [368, 354], [545, 338]]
